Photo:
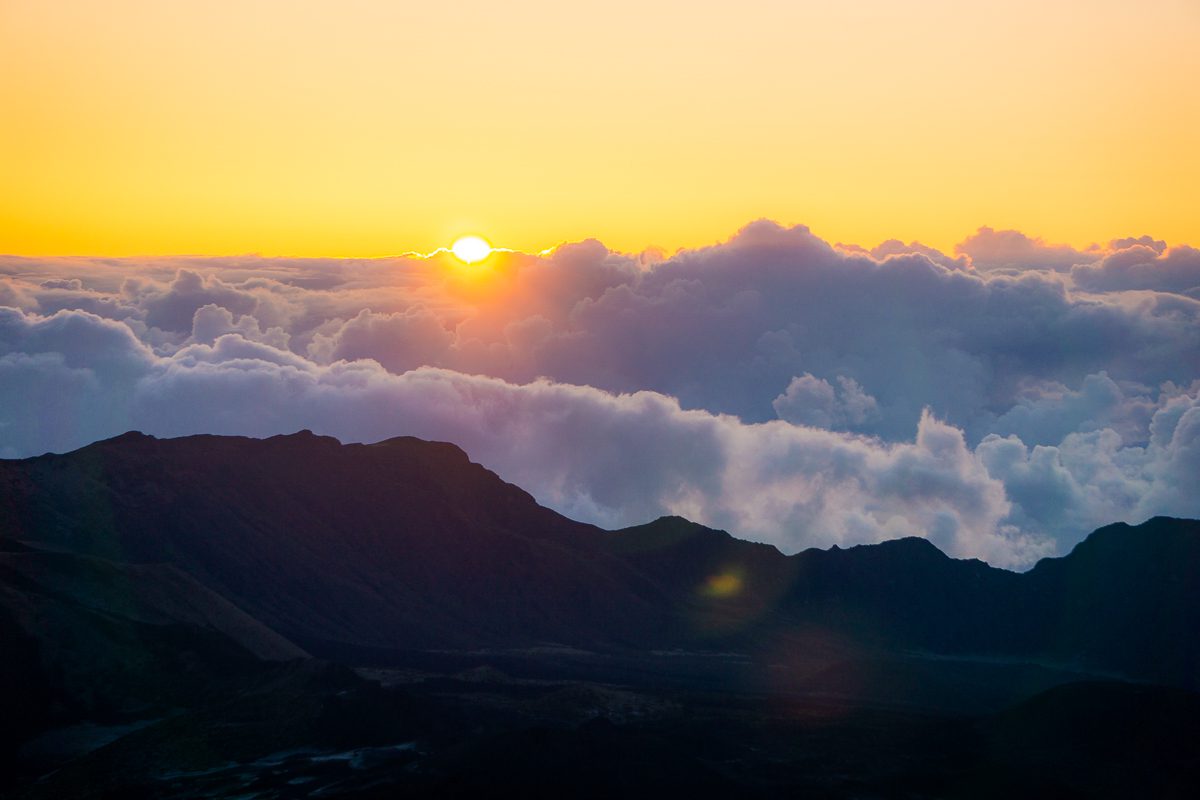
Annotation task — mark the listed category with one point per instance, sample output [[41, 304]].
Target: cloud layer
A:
[[1002, 403]]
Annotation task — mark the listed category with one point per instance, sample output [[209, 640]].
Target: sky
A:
[[365, 128], [811, 273]]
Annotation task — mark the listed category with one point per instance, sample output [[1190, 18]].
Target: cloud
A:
[[813, 401], [15, 295], [175, 308], [783, 388], [1045, 413], [895, 247], [1157, 245], [211, 321], [615, 459], [990, 249], [399, 341], [725, 328], [1143, 266]]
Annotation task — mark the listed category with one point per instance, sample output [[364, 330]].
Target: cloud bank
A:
[[1002, 403]]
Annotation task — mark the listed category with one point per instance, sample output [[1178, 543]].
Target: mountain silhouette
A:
[[407, 545], [222, 615]]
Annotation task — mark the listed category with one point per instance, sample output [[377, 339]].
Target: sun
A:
[[470, 249]]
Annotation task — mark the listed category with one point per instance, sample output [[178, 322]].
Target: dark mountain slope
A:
[[1125, 601], [151, 594], [1127, 598], [83, 639], [399, 544], [147, 587], [408, 545], [906, 593], [721, 589]]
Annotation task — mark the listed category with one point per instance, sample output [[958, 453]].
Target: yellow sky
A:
[[363, 128]]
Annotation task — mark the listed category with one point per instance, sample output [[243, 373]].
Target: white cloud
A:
[[809, 400]]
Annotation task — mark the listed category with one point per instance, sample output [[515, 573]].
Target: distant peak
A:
[[1121, 537], [914, 543], [910, 547], [675, 519], [429, 444], [303, 435], [130, 436], [676, 522]]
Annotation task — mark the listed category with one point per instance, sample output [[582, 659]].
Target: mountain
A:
[[89, 640], [407, 545], [1127, 598], [182, 617], [398, 544]]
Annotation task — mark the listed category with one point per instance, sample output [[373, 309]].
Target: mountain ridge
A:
[[182, 617], [137, 438], [408, 545]]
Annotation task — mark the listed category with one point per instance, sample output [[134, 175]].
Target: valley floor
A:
[[558, 722]]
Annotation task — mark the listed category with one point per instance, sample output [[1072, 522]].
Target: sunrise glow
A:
[[471, 249], [137, 127]]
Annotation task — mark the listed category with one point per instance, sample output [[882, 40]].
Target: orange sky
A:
[[357, 128]]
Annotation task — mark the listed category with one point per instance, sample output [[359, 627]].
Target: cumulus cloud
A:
[[16, 295], [1143, 265], [992, 249], [895, 247], [615, 459], [399, 341], [724, 328], [213, 321], [788, 390], [1047, 412], [727, 328], [813, 401]]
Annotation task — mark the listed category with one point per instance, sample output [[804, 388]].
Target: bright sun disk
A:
[[470, 249]]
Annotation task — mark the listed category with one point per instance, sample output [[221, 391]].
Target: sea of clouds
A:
[[1002, 401]]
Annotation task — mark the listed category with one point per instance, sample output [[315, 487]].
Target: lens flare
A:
[[723, 584]]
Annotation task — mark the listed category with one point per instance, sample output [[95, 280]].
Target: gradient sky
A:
[[367, 128]]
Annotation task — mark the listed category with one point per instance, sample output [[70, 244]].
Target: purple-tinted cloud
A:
[[1143, 266], [775, 385], [990, 249]]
